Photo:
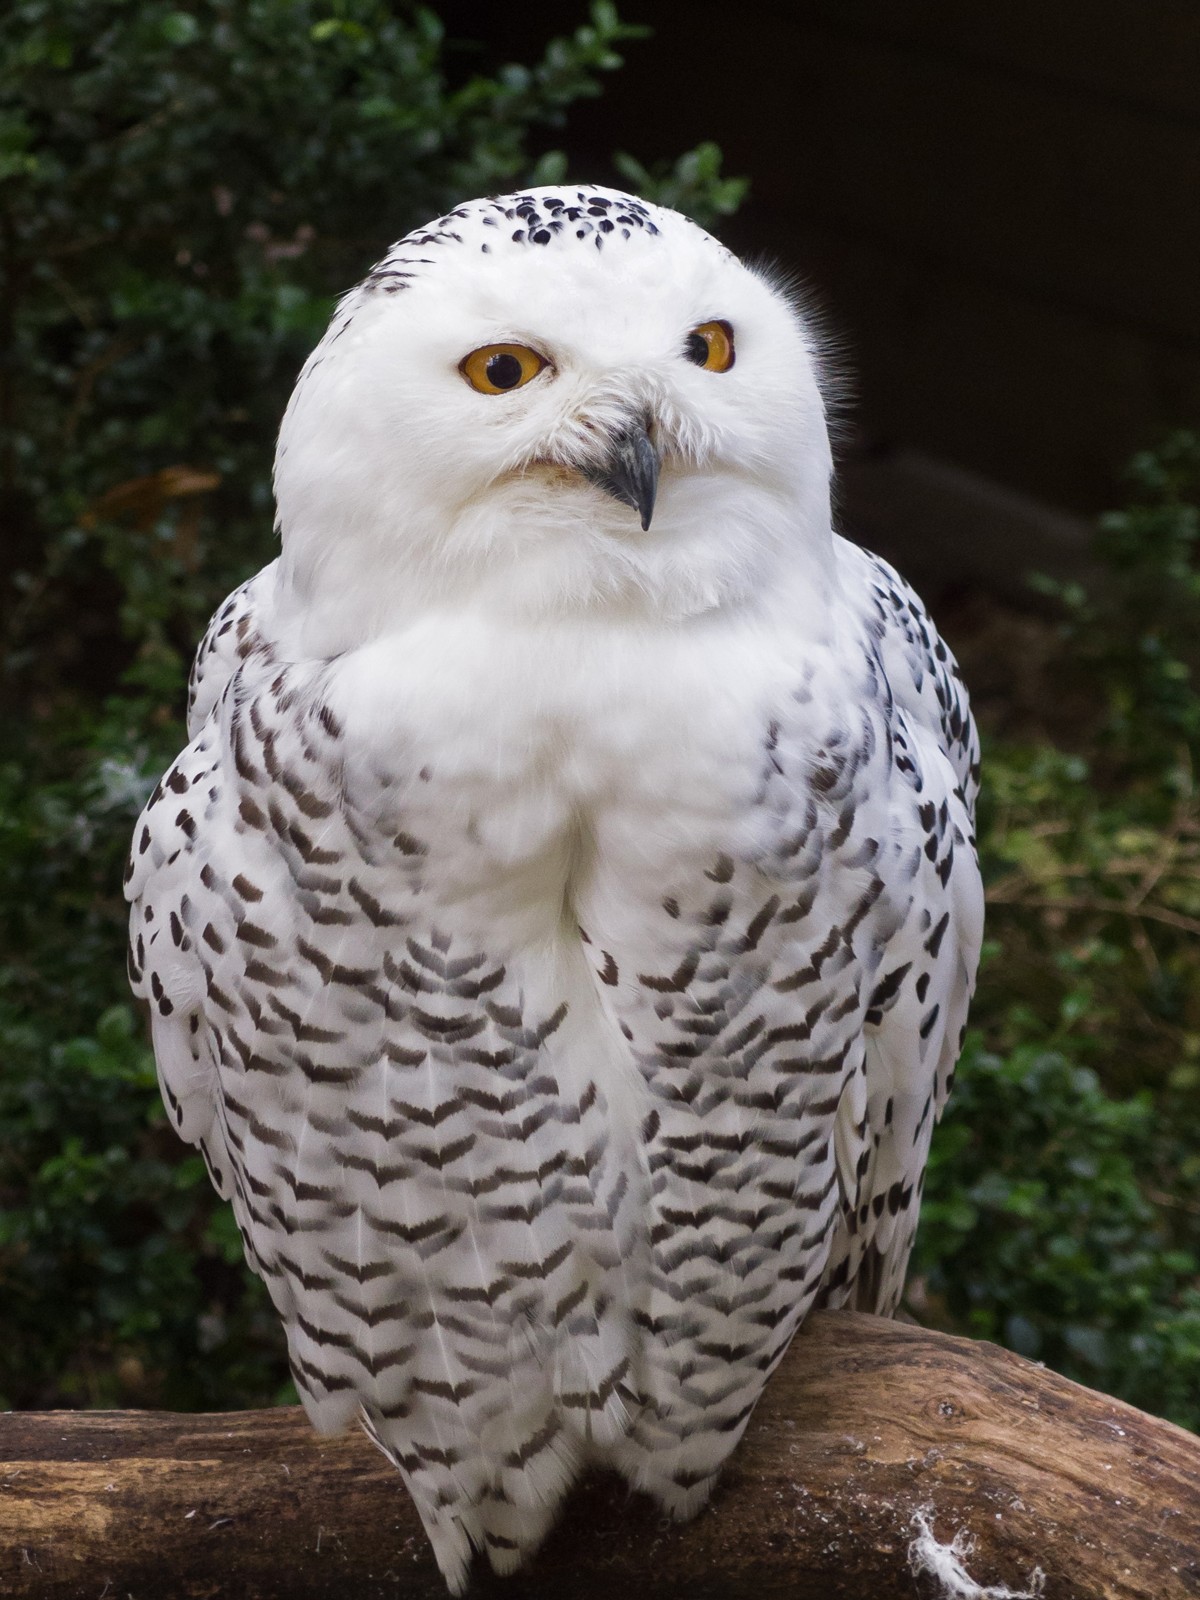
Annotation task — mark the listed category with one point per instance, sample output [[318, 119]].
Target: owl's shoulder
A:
[[922, 676], [241, 630]]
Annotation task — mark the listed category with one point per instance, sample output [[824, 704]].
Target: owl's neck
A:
[[717, 544]]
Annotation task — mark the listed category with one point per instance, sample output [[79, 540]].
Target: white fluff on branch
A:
[[944, 1563]]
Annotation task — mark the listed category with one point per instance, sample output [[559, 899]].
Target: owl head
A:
[[557, 400]]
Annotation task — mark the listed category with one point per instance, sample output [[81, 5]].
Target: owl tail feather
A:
[[452, 1551], [505, 1501], [508, 1534]]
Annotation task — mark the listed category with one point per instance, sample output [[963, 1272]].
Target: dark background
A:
[[996, 209]]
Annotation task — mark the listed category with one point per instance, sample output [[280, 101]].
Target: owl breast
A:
[[549, 773]]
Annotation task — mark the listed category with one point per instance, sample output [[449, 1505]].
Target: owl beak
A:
[[630, 472]]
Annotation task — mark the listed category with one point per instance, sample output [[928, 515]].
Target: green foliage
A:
[[184, 189], [1136, 637], [1062, 1210], [693, 184], [1040, 1225]]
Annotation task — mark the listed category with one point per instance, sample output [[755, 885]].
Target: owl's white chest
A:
[[547, 767]]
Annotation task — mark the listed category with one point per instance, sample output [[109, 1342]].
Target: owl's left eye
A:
[[710, 346], [500, 368]]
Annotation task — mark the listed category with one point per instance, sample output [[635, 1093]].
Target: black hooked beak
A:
[[630, 474]]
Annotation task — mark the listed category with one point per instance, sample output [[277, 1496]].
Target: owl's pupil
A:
[[504, 372], [696, 348]]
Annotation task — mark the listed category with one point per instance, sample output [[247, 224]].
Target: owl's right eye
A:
[[500, 368]]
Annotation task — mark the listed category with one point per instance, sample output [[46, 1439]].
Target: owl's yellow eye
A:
[[500, 368], [711, 346]]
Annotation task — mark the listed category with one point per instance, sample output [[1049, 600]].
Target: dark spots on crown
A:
[[538, 220]]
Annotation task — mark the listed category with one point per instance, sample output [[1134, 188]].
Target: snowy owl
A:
[[559, 931]]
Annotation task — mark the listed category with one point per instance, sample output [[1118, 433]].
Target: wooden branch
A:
[[865, 1425]]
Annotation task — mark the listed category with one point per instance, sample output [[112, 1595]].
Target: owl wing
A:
[[436, 1214], [917, 1017], [794, 1002], [923, 675]]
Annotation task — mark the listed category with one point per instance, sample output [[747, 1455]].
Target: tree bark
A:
[[868, 1429]]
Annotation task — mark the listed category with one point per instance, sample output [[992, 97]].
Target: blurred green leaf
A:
[[1076, 1112]]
